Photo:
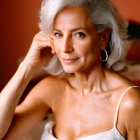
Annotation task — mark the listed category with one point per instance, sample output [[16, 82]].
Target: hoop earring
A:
[[106, 56]]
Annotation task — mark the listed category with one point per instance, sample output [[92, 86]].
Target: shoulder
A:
[[51, 84], [117, 80], [48, 88], [131, 99], [132, 96], [130, 111]]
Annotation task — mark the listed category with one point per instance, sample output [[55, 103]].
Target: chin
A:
[[71, 69]]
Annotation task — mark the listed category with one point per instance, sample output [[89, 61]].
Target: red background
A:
[[19, 22]]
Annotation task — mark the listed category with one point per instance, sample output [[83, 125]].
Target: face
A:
[[76, 40]]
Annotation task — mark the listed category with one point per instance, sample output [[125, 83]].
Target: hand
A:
[[41, 50]]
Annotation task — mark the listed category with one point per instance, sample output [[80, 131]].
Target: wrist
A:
[[26, 69]]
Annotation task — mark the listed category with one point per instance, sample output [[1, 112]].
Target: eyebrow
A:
[[75, 29]]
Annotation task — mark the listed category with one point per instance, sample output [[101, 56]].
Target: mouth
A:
[[69, 60]]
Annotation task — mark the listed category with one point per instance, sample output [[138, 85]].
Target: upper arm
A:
[[31, 111], [131, 114]]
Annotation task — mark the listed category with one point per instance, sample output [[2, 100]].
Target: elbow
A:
[[2, 134]]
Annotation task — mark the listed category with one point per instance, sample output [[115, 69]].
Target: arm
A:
[[131, 114], [11, 94], [133, 120], [33, 109]]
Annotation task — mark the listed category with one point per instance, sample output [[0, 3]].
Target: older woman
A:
[[89, 100]]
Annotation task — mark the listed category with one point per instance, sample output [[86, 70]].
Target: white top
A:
[[112, 134]]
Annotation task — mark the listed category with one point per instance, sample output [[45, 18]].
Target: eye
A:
[[57, 35], [80, 35]]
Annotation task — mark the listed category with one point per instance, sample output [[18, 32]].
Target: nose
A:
[[67, 45]]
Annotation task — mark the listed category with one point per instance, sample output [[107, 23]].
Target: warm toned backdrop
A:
[[19, 22]]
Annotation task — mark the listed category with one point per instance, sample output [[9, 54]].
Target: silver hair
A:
[[104, 15]]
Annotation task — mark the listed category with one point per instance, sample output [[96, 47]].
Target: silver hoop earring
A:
[[106, 56]]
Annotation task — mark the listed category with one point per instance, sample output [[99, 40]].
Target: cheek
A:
[[88, 51], [83, 48]]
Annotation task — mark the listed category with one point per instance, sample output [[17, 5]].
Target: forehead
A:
[[74, 15]]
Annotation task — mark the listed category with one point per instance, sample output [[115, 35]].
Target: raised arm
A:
[[11, 94], [30, 112]]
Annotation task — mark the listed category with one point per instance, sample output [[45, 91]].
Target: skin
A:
[[84, 99]]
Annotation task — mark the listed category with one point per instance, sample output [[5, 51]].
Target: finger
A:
[[43, 44], [47, 43], [42, 36], [53, 48], [41, 41]]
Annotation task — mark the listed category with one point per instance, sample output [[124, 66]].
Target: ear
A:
[[105, 38]]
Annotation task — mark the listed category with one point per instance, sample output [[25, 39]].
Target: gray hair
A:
[[104, 15]]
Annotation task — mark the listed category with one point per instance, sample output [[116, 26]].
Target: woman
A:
[[89, 100]]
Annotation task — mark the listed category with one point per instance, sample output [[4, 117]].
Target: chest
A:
[[77, 114]]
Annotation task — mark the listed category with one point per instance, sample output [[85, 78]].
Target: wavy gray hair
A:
[[104, 15]]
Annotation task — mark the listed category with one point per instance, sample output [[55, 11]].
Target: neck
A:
[[92, 80]]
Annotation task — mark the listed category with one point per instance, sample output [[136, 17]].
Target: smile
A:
[[69, 61]]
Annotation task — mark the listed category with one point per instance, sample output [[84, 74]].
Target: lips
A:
[[68, 60]]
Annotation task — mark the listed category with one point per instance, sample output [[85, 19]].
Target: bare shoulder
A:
[[130, 112], [132, 98], [49, 88], [51, 84], [52, 80], [117, 80], [35, 107]]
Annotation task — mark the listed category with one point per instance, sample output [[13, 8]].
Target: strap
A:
[[118, 105]]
